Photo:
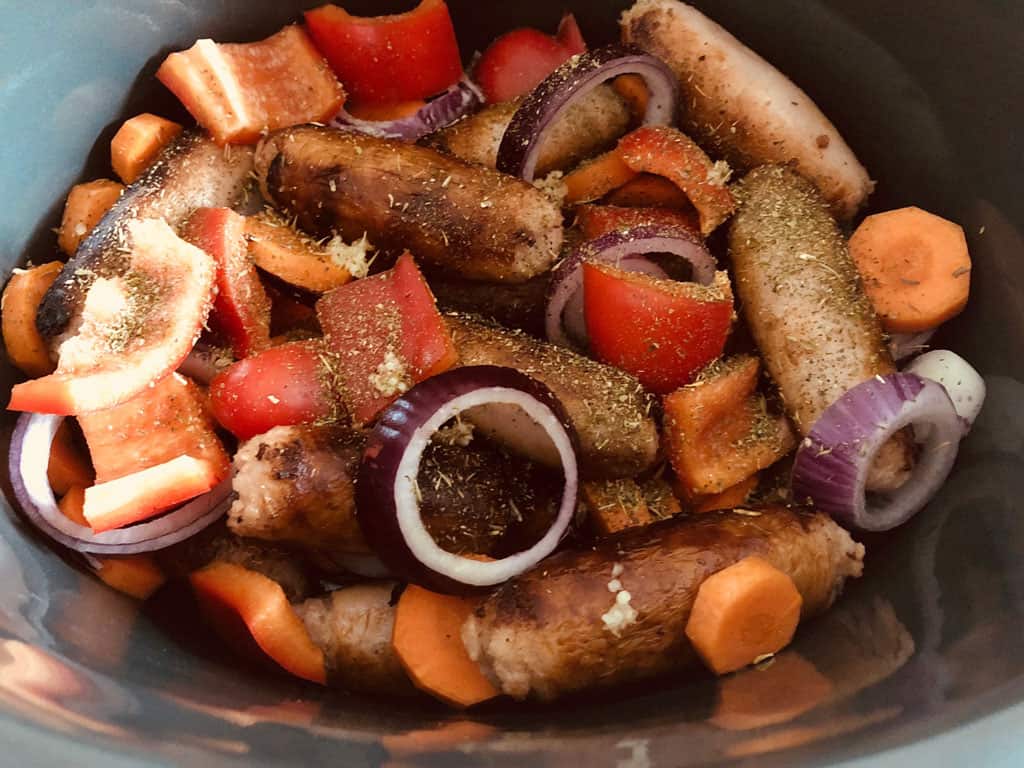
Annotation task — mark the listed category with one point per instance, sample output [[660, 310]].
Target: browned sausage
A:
[[743, 108], [608, 407], [192, 172], [589, 126], [466, 219], [556, 629], [352, 626], [803, 301]]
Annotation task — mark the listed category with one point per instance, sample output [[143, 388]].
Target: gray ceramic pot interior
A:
[[928, 93]]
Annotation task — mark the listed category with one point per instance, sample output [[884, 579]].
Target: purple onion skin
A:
[[525, 132], [823, 469], [460, 100], [100, 543], [386, 444]]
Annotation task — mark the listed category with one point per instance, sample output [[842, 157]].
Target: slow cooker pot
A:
[[924, 656]]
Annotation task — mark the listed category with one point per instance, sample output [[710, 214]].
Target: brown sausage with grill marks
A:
[[553, 630], [465, 219]]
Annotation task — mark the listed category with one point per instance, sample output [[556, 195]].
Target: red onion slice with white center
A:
[[832, 463], [459, 100], [563, 320], [387, 502], [27, 463], [524, 136]]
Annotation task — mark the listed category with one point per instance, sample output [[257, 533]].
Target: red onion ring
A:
[[520, 146], [563, 321], [387, 504], [27, 462], [832, 463], [461, 99]]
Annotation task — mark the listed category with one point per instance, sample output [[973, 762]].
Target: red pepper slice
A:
[[667, 152], [241, 311], [389, 59], [517, 61], [238, 91], [663, 332], [283, 385], [384, 334]]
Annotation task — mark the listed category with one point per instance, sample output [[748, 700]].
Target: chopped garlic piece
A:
[[391, 377], [617, 570], [351, 257], [620, 615], [720, 173]]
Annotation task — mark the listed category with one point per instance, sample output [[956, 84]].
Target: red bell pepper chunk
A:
[[239, 91], [389, 59], [288, 384], [148, 492], [667, 152], [136, 328], [384, 334], [241, 311], [516, 62], [663, 332], [597, 220], [251, 612], [167, 420]]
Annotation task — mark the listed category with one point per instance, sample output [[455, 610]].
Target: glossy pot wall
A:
[[928, 93]]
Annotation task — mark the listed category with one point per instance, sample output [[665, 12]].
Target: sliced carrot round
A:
[[25, 347], [428, 641], [915, 266], [748, 610]]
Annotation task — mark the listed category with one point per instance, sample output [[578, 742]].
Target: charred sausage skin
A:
[[465, 219], [544, 633]]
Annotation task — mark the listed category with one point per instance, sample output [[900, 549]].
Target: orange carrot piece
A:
[[743, 612], [915, 267], [380, 112], [667, 152], [650, 191], [137, 576], [633, 90], [778, 693], [72, 503], [717, 431], [296, 259], [137, 143], [595, 178], [83, 209], [25, 347], [730, 498], [247, 607], [68, 466], [148, 492], [428, 640], [597, 220]]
